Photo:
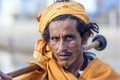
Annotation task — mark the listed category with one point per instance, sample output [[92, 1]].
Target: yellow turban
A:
[[54, 10]]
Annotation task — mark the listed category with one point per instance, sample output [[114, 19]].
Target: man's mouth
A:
[[65, 56]]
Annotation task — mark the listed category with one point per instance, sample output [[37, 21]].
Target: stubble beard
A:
[[65, 64], [69, 64]]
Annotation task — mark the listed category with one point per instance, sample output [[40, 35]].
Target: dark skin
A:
[[67, 44]]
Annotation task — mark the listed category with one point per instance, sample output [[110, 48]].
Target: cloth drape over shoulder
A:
[[96, 70]]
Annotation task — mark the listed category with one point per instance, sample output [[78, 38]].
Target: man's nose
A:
[[62, 45]]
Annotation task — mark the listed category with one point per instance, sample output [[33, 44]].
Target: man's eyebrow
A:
[[69, 35], [54, 36], [51, 37]]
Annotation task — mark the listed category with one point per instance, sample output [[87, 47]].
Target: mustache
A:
[[64, 53]]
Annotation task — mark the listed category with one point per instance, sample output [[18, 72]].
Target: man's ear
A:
[[49, 44], [85, 38]]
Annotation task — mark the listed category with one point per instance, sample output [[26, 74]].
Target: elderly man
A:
[[65, 28]]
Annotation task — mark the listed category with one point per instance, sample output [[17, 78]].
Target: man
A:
[[65, 29]]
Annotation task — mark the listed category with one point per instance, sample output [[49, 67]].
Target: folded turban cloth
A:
[[42, 51]]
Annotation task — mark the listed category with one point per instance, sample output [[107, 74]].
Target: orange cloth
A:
[[96, 70], [76, 9], [42, 51], [60, 8]]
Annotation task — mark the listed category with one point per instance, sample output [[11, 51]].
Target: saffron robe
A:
[[96, 70]]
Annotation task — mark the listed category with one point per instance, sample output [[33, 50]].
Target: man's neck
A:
[[75, 68]]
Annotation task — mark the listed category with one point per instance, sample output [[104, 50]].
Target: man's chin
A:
[[64, 64]]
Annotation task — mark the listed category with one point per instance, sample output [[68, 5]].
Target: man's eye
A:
[[69, 38], [55, 39]]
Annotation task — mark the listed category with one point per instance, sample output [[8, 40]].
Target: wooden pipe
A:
[[23, 70], [92, 45]]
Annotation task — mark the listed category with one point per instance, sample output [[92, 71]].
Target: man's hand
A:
[[4, 76]]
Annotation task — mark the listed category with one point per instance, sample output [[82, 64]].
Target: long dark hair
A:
[[81, 27]]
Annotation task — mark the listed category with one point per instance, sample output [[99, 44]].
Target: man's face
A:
[[65, 42]]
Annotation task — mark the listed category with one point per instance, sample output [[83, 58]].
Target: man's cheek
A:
[[74, 47]]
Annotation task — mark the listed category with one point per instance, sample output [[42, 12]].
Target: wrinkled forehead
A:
[[67, 26]]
